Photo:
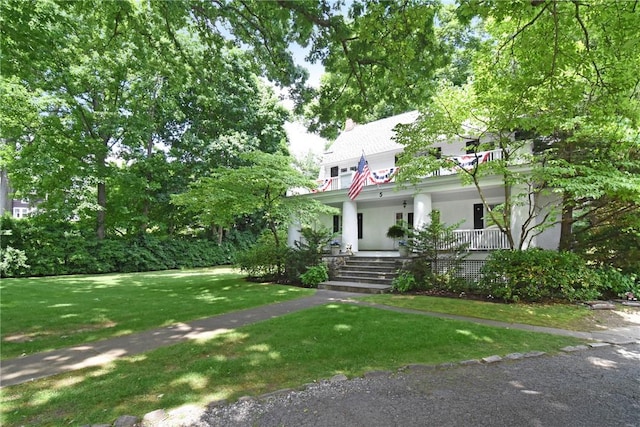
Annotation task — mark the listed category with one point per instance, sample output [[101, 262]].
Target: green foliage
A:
[[12, 261], [315, 275], [609, 235], [396, 231], [314, 240], [112, 83], [539, 70], [538, 275], [264, 260], [307, 252], [437, 255], [436, 240], [266, 179], [65, 248], [267, 261], [361, 56], [404, 282], [616, 284]]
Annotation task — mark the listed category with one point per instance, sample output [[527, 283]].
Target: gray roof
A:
[[374, 137]]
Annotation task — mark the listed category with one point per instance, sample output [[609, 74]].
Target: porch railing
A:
[[485, 239], [382, 176]]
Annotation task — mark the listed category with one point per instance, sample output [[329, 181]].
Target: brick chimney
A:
[[349, 125]]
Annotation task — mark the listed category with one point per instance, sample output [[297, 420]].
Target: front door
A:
[[478, 216]]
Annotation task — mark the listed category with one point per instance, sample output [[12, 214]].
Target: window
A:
[[20, 212], [431, 152], [478, 216], [337, 226], [410, 219], [399, 218], [472, 146], [334, 171], [359, 226]]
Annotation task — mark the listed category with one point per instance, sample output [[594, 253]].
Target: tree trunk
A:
[[566, 223], [5, 191], [102, 211]]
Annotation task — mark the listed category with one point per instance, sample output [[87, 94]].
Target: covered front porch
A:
[[484, 239], [362, 224]]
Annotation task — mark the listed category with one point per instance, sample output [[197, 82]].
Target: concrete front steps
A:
[[359, 288], [364, 274]]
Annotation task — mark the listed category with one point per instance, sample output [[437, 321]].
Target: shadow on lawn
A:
[[45, 313], [226, 363]]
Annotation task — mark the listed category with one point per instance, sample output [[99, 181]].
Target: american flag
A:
[[359, 179]]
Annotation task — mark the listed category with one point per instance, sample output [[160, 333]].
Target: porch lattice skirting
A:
[[468, 269]]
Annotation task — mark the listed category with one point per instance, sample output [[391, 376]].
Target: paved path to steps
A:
[[40, 365]]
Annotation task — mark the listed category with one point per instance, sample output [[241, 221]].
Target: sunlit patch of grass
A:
[[45, 313], [194, 380], [473, 336], [565, 316]]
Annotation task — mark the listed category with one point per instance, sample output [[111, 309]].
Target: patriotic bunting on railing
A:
[[383, 176], [469, 161], [323, 185], [364, 177]]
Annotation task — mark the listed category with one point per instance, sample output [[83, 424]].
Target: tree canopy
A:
[[111, 108], [261, 186], [562, 75]]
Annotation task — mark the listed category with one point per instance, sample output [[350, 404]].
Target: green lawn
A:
[[45, 313], [564, 316], [282, 352]]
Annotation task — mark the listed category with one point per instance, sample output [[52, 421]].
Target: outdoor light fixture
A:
[[404, 203]]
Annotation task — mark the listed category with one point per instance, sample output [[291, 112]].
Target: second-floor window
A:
[[472, 146]]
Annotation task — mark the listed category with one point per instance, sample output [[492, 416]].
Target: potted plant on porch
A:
[[403, 248], [398, 231], [335, 247]]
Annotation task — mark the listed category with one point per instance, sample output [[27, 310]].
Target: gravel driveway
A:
[[592, 387]]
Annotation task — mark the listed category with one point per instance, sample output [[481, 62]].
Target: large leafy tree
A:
[[259, 188], [563, 74], [93, 72], [127, 97], [380, 58]]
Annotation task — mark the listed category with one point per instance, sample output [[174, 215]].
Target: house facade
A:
[[363, 221]]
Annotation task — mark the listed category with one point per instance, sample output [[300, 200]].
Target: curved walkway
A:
[[40, 365]]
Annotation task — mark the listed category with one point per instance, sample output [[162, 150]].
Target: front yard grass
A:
[[563, 316], [45, 313], [287, 351]]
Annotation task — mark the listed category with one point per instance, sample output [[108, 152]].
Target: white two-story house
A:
[[363, 222]]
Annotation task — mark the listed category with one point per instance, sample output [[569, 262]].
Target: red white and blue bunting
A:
[[383, 176], [470, 161], [323, 184]]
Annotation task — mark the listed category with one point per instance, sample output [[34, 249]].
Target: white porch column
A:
[[293, 233], [350, 225], [421, 210]]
